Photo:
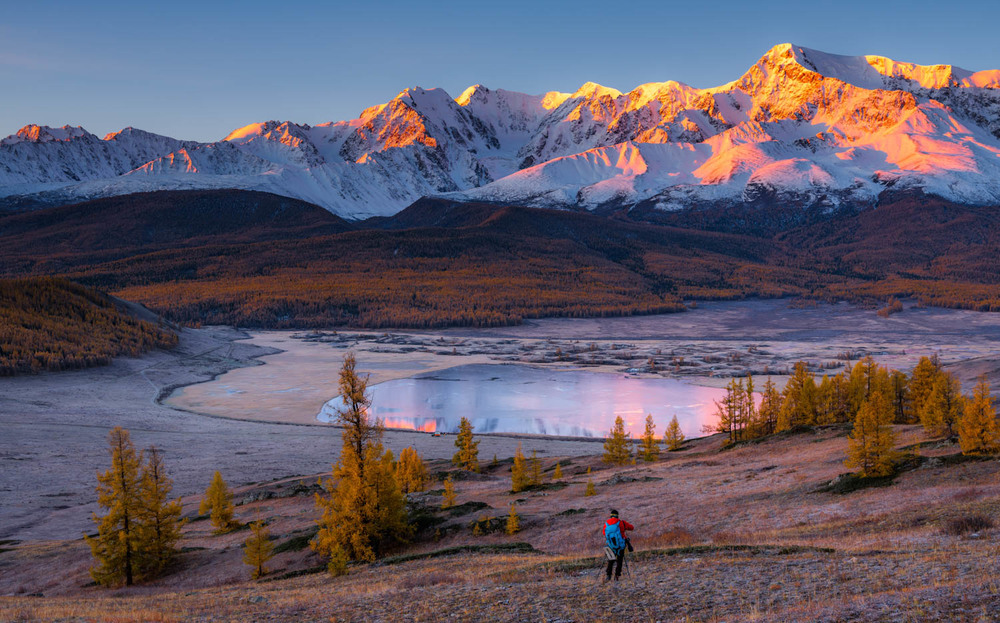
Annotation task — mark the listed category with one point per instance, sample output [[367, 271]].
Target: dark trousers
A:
[[611, 563]]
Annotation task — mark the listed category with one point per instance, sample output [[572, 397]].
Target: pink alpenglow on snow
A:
[[800, 124]]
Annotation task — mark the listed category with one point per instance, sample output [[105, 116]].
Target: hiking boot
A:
[[606, 579]]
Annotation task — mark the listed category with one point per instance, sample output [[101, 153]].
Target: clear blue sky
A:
[[196, 70]]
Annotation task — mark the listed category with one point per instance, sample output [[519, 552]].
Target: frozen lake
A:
[[544, 401], [566, 376]]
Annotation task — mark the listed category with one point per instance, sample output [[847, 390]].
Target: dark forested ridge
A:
[[54, 240], [253, 259], [52, 324]]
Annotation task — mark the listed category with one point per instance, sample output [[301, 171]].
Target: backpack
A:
[[613, 536]]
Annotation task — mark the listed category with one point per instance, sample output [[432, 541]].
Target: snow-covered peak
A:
[[135, 135], [879, 72], [44, 134], [418, 96], [592, 90], [477, 91], [554, 99], [799, 124], [282, 131]]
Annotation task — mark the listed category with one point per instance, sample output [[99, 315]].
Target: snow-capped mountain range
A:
[[800, 125]]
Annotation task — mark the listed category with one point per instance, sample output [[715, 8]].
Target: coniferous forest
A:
[[263, 261], [50, 324]]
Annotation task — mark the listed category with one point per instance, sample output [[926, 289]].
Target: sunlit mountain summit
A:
[[800, 126]]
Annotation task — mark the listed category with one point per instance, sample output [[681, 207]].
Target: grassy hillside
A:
[[751, 533], [53, 324]]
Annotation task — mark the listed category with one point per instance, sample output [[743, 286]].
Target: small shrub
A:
[[296, 543], [968, 495], [489, 525], [449, 494], [423, 518], [466, 507], [848, 483], [513, 521], [968, 524]]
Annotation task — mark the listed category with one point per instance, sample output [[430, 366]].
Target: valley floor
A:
[[742, 534]]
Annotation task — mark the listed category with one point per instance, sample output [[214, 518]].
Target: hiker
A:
[[616, 542]]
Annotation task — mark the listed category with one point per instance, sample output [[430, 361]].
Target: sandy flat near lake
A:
[[295, 382]]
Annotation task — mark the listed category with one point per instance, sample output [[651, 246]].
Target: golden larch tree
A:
[[117, 545], [867, 378], [364, 511], [902, 405], [410, 471], [518, 471], [467, 456], [673, 437], [727, 412], [871, 442], [616, 445], [922, 381], [833, 399], [557, 473], [650, 448], [258, 549], [748, 415], [769, 411], [798, 401], [218, 501], [535, 471], [978, 431], [359, 428], [941, 409], [160, 518], [448, 497], [363, 508], [513, 521]]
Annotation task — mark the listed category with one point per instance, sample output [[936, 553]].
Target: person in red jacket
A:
[[616, 540]]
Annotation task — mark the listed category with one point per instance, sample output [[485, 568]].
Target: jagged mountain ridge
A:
[[799, 126]]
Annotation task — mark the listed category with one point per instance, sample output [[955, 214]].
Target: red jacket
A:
[[624, 527]]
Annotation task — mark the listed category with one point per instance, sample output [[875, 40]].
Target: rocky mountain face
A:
[[800, 127]]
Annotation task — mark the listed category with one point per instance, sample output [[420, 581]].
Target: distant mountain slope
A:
[[267, 261], [801, 127], [106, 229]]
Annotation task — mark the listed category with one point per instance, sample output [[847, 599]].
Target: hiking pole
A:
[[628, 550]]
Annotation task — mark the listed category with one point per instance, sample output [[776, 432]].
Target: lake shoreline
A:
[[705, 347], [297, 377]]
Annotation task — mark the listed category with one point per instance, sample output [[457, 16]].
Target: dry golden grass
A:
[[722, 535]]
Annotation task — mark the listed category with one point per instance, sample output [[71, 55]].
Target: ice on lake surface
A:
[[545, 401]]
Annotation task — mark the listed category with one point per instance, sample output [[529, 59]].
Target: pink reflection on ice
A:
[[523, 399]]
